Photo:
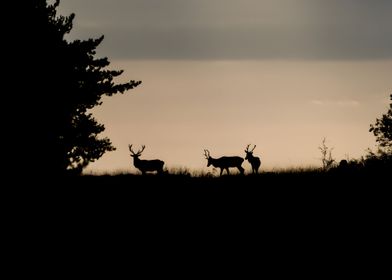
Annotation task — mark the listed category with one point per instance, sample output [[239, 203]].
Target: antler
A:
[[249, 151], [138, 152], [206, 154], [130, 149]]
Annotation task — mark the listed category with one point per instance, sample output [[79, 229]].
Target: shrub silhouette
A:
[[382, 129], [326, 153]]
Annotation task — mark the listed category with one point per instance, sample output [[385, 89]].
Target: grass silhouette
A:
[[183, 178]]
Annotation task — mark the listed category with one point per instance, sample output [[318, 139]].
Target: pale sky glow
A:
[[285, 108], [219, 75]]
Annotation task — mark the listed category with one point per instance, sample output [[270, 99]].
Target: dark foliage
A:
[[326, 154], [62, 81], [382, 129]]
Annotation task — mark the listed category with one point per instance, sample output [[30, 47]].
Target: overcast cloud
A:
[[236, 29]]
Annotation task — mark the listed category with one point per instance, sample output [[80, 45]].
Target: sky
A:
[[221, 74]]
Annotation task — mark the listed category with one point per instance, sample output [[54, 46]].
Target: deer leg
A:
[[221, 171]]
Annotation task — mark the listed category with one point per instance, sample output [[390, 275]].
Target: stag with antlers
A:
[[224, 163], [146, 165], [254, 161]]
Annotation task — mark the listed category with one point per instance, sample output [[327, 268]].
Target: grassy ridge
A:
[[308, 186], [285, 178], [287, 200]]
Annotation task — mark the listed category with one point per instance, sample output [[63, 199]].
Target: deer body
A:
[[146, 165], [254, 161], [224, 163]]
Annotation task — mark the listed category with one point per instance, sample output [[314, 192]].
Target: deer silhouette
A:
[[224, 163], [254, 161], [146, 165]]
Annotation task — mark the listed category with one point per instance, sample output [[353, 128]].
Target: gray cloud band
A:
[[231, 29], [236, 43]]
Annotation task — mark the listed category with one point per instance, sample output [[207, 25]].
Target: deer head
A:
[[208, 157], [138, 153], [249, 153]]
